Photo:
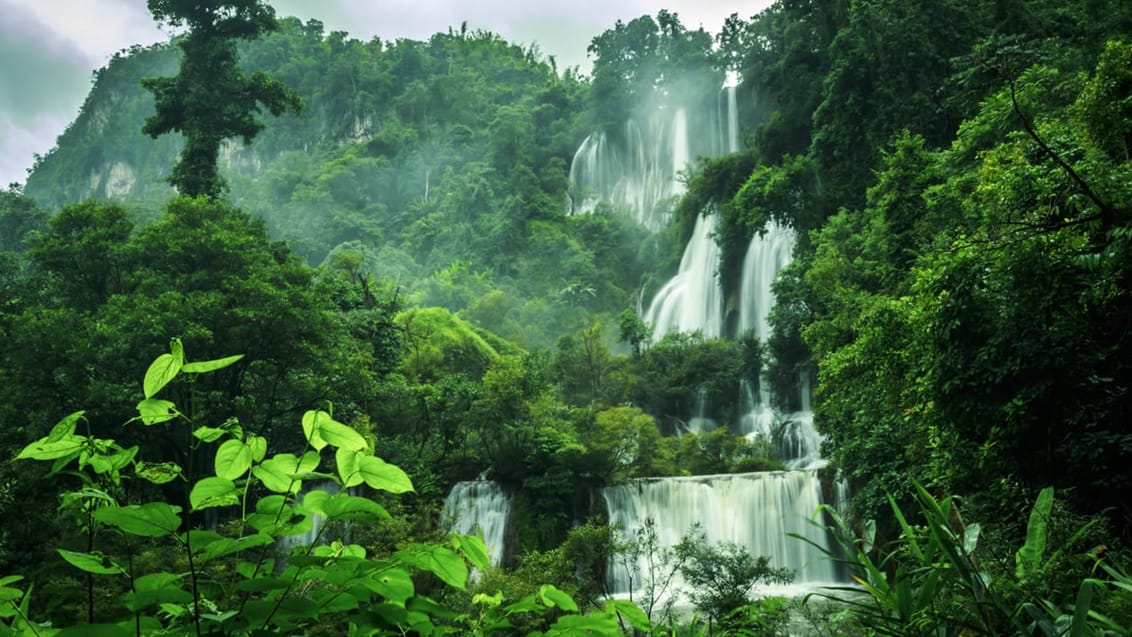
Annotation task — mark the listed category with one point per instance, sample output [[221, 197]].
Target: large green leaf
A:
[[154, 589], [213, 492], [92, 563], [157, 473], [379, 474], [1029, 557], [321, 429], [233, 459], [153, 519], [343, 506], [630, 612], [473, 548], [394, 584], [438, 560], [227, 546], [311, 425], [349, 465], [553, 597], [163, 369], [64, 427], [202, 367], [282, 473], [152, 411], [208, 434], [64, 447]]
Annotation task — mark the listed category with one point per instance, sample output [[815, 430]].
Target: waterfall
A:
[[729, 120], [754, 510], [479, 508], [758, 418], [700, 421], [637, 173], [799, 444], [732, 120], [637, 169], [691, 300], [767, 253]]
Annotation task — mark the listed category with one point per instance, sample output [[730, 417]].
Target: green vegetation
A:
[[210, 99], [958, 175]]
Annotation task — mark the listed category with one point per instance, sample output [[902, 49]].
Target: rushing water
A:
[[479, 508], [753, 510], [691, 300]]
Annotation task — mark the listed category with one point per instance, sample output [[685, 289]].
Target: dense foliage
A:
[[958, 175]]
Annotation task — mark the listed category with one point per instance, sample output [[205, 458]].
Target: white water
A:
[[479, 508], [767, 253], [691, 300], [638, 169], [753, 510]]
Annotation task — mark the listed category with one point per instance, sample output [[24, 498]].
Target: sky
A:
[[50, 48]]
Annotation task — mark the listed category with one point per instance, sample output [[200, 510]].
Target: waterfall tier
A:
[[638, 169], [753, 510], [691, 300], [479, 508]]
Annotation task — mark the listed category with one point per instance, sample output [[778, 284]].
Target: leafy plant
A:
[[236, 580], [934, 581]]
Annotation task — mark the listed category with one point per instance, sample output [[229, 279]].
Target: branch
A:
[[1105, 210]]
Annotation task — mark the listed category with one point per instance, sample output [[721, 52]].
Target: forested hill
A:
[[410, 247], [450, 151]]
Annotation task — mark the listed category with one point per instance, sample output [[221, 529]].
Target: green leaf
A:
[[339, 435], [343, 506], [349, 467], [163, 369], [311, 421], [157, 473], [202, 367], [227, 546], [153, 519], [1028, 559], [258, 445], [213, 492], [208, 434], [153, 411], [379, 474], [64, 427], [155, 589], [43, 450], [630, 612], [281, 472], [233, 459], [473, 548], [92, 563], [438, 560], [553, 597]]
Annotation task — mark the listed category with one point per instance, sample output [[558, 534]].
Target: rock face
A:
[[120, 181]]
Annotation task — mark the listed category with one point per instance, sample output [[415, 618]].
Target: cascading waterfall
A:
[[691, 300], [799, 444], [753, 510], [638, 169], [767, 253], [479, 507]]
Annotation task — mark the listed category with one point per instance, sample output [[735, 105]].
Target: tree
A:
[[721, 576], [211, 99], [19, 217]]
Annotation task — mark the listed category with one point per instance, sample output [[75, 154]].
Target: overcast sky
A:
[[49, 48]]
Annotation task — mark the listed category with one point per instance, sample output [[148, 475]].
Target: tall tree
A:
[[211, 99]]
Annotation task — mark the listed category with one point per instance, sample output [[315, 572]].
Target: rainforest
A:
[[818, 325]]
